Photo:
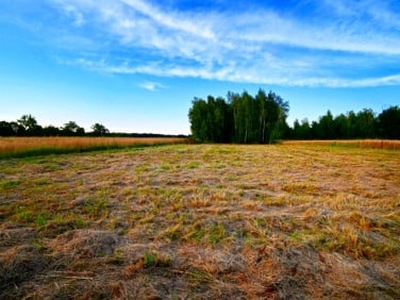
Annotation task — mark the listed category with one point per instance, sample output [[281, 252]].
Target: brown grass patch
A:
[[202, 222], [383, 144], [18, 146]]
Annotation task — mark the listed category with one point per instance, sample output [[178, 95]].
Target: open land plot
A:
[[372, 143], [33, 146], [202, 222]]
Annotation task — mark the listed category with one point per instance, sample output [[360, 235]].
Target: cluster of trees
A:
[[28, 126], [361, 125], [241, 118]]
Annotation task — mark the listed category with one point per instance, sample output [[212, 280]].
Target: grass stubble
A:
[[202, 222]]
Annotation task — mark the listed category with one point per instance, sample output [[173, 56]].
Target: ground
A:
[[202, 222]]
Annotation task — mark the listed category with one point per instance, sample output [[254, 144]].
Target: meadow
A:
[[287, 221]]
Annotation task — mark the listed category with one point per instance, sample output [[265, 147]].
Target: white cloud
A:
[[237, 74], [261, 46], [151, 86], [172, 20]]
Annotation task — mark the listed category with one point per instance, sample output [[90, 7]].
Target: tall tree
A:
[[389, 123], [366, 123], [99, 130], [222, 121], [198, 122], [353, 130], [234, 101], [341, 127], [210, 119], [277, 113], [29, 126], [247, 110], [327, 126], [28, 122], [261, 99]]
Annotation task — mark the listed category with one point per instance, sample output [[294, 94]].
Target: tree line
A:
[[28, 126], [361, 125], [241, 118]]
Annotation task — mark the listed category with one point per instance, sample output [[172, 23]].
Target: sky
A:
[[136, 66]]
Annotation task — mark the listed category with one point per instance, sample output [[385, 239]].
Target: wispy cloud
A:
[[239, 74], [151, 86], [74, 13], [382, 13], [171, 20], [338, 43]]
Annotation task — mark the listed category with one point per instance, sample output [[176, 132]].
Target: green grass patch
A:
[[9, 184]]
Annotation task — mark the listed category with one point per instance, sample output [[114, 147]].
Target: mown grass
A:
[[20, 147], [202, 222], [366, 143]]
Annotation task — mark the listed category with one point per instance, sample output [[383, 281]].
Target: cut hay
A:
[[202, 222]]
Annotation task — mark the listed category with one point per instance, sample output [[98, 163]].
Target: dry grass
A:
[[387, 144], [202, 222], [25, 146]]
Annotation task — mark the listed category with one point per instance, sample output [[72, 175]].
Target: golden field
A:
[[20, 146], [386, 144], [202, 222]]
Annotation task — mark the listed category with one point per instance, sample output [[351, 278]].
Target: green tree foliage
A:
[[241, 118], [28, 126], [326, 129], [222, 120], [366, 123], [361, 125], [388, 123], [301, 131], [51, 131], [72, 129], [198, 115], [276, 110], [99, 130], [10, 128], [27, 122]]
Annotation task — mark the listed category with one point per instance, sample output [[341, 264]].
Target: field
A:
[[383, 144], [202, 222], [31, 146]]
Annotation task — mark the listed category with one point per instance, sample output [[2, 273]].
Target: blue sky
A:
[[135, 66]]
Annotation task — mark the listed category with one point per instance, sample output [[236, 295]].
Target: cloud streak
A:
[[337, 43], [151, 86]]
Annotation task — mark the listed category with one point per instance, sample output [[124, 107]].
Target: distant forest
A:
[[243, 118], [28, 126]]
